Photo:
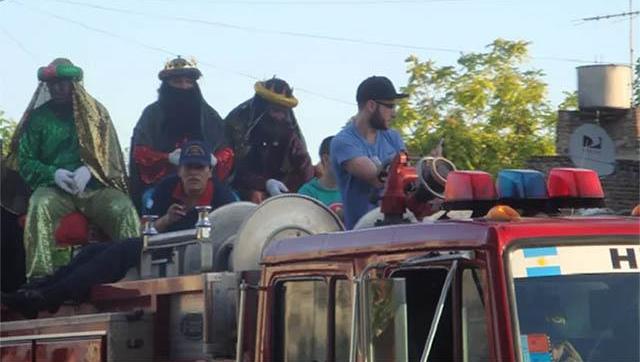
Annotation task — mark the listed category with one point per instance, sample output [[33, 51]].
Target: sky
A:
[[324, 49]]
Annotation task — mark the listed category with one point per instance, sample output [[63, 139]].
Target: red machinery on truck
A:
[[284, 282]]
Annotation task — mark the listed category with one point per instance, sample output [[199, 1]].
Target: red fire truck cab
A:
[[474, 290]]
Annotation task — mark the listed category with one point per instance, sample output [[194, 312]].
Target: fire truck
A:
[[505, 271]]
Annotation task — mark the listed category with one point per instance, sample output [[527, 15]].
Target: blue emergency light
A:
[[521, 185], [523, 189]]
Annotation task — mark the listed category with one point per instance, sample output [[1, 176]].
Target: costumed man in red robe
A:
[[179, 115], [271, 154]]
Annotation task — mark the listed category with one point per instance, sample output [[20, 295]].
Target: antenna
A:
[[630, 14]]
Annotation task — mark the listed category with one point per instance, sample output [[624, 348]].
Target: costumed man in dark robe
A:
[[66, 150], [179, 115], [271, 154]]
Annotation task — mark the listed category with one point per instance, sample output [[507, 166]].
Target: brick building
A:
[[622, 187]]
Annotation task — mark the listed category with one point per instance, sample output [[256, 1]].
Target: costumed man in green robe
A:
[[271, 155], [67, 151]]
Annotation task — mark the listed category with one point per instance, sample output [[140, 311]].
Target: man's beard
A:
[[182, 110], [62, 109], [270, 130], [377, 121]]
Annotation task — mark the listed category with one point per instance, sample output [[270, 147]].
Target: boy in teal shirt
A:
[[324, 188]]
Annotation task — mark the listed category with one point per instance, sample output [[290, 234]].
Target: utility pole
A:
[[632, 59], [630, 14]]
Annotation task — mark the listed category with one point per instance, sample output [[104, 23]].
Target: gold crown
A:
[[270, 94], [181, 63], [272, 88], [180, 66]]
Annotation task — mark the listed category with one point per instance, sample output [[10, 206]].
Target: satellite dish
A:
[[591, 147]]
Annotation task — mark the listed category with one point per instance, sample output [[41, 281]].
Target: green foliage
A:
[[570, 102], [7, 127], [490, 113]]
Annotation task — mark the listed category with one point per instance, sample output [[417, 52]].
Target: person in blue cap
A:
[[176, 199], [176, 196]]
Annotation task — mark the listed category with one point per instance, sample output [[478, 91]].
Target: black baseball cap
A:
[[377, 89], [195, 153]]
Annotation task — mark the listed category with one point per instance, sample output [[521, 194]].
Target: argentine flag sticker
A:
[[542, 262], [549, 261]]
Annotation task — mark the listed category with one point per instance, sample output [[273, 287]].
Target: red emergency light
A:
[[574, 188], [469, 190]]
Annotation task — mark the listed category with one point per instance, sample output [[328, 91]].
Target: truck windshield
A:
[[566, 313]]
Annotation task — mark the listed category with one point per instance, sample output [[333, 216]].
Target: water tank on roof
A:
[[604, 86]]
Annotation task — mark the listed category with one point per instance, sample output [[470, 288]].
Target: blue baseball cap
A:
[[195, 153]]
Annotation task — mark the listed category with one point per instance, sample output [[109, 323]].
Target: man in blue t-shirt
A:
[[364, 145]]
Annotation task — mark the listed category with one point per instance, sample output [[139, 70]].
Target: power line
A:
[[169, 52], [18, 43], [256, 30], [297, 34], [98, 30], [329, 2], [602, 17]]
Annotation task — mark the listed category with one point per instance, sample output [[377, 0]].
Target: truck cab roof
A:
[[444, 234]]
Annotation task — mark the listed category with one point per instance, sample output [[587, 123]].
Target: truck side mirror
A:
[[384, 318]]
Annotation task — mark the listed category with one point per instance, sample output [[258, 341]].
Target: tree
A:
[[7, 127], [570, 102], [490, 113]]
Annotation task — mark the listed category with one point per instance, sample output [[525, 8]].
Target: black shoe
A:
[[26, 302]]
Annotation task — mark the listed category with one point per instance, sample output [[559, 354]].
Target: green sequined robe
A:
[[48, 143]]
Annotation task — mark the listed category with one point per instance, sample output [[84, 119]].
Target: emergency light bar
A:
[[523, 189], [469, 190], [574, 188]]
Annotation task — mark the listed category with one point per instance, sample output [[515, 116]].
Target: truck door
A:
[[446, 318], [311, 319], [461, 332]]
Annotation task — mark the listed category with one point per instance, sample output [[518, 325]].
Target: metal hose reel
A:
[[280, 217], [407, 189], [432, 175]]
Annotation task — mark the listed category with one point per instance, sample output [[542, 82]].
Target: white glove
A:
[[81, 177], [174, 156], [214, 161], [64, 179], [275, 187]]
